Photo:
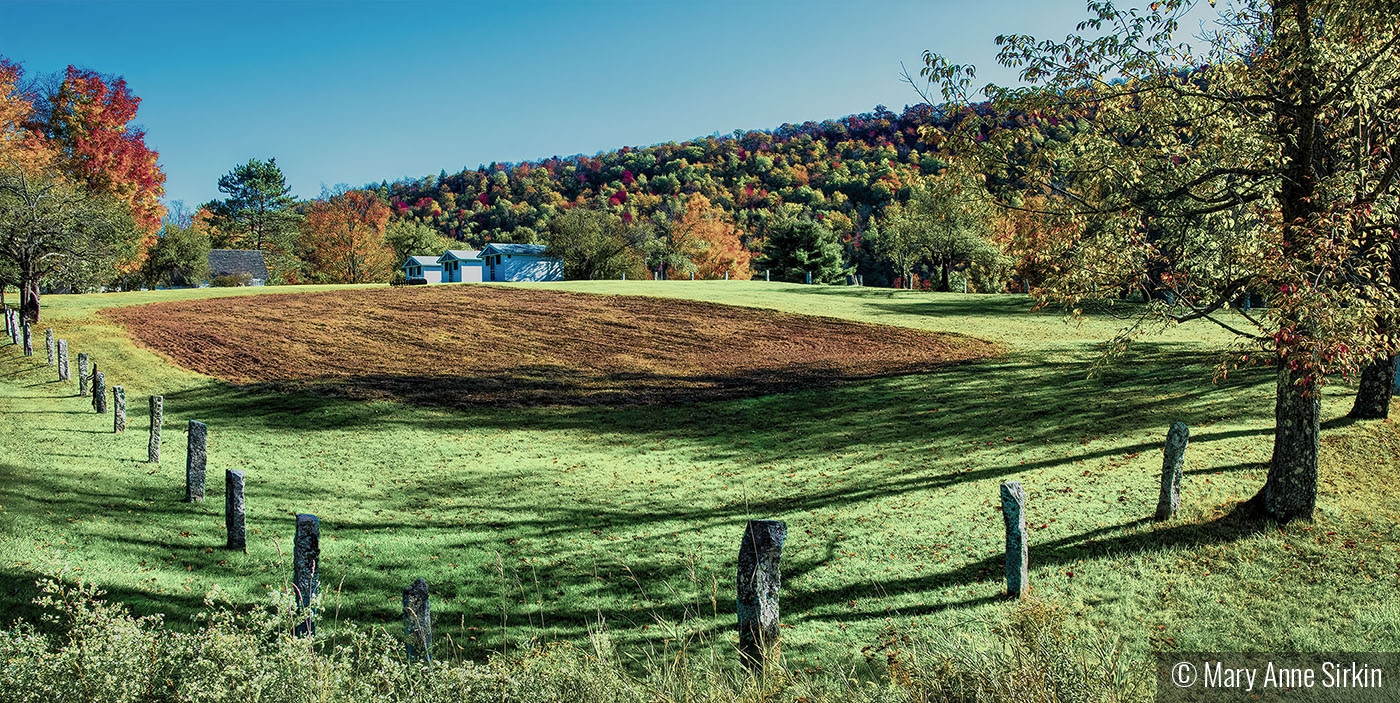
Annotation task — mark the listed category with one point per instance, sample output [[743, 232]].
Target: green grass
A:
[[541, 522]]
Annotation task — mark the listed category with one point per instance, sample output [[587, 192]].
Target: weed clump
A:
[[88, 649]]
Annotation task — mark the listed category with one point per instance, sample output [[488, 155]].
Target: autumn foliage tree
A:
[[59, 215], [342, 238], [1251, 167], [710, 242], [90, 124]]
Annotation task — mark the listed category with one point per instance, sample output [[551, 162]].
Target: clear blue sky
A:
[[354, 92]]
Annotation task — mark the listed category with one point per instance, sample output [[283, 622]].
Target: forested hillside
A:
[[843, 173]]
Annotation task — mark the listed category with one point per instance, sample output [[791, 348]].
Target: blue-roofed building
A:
[[460, 266], [519, 262], [424, 267]]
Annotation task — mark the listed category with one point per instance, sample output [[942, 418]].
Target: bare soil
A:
[[480, 345]]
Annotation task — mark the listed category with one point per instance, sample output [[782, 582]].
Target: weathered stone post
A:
[[118, 409], [234, 511], [726, 274], [1173, 456], [306, 552], [692, 275], [417, 621], [757, 584], [49, 345], [28, 340], [99, 392], [195, 457], [765, 275], [84, 371], [12, 322], [63, 369], [157, 418], [809, 278], [1013, 513]]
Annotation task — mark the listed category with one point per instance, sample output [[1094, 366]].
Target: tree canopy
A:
[[1262, 163]]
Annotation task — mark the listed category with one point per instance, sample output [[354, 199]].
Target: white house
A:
[[424, 267], [460, 265], [520, 262]]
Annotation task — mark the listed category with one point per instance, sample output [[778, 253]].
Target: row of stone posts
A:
[[1013, 508]]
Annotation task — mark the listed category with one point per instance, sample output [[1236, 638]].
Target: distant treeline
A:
[[842, 172]]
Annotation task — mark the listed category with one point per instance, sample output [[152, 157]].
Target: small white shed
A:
[[461, 266], [424, 267], [520, 262]]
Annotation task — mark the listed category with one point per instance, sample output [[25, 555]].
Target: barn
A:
[[520, 262], [424, 267], [460, 266]]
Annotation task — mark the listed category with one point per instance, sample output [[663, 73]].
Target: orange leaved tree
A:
[[342, 238]]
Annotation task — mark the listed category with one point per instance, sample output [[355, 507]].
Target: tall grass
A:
[[89, 649]]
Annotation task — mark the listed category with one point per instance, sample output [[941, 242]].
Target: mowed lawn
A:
[[545, 521]]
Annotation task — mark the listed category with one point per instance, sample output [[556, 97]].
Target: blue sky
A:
[[354, 92]]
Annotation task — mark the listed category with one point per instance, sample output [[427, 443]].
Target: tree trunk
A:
[[29, 298], [1290, 491], [1377, 385], [943, 284]]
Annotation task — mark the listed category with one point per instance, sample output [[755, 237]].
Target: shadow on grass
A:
[[950, 426]]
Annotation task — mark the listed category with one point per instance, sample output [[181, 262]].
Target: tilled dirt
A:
[[456, 345]]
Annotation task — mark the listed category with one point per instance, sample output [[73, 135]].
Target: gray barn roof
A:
[[461, 255], [234, 262], [516, 249], [422, 261]]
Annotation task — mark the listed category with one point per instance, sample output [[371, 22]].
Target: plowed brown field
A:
[[477, 345]]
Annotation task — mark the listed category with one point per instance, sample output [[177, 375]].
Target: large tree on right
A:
[[1259, 158]]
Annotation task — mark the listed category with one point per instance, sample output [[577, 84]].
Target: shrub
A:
[[232, 280], [92, 650]]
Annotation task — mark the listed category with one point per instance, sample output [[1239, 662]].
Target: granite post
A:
[[118, 409], [757, 584], [28, 339], [99, 392], [1173, 457], [306, 552], [63, 368], [157, 418], [84, 372], [235, 511], [196, 456], [49, 345], [417, 621], [1013, 513]]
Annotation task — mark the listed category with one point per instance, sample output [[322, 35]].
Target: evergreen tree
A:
[[797, 246]]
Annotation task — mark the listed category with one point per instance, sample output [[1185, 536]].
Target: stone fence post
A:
[[99, 392], [1013, 513], [306, 552], [235, 511], [417, 621], [63, 369], [118, 409], [157, 419], [757, 584], [196, 456]]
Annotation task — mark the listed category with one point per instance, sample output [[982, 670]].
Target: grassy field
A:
[[541, 522]]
